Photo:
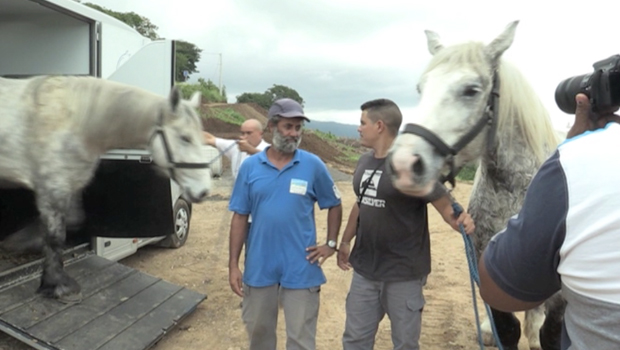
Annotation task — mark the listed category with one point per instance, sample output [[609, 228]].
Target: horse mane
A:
[[520, 109]]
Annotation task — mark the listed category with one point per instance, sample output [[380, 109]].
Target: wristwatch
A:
[[331, 243]]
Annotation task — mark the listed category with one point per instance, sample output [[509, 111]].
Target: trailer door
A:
[[121, 308]]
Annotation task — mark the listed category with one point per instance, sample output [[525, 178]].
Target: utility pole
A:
[[220, 81]]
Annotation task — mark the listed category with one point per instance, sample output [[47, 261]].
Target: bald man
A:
[[250, 142]]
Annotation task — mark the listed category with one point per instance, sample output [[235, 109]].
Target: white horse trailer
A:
[[126, 206]]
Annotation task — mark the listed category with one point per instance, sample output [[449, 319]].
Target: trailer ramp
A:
[[121, 308]]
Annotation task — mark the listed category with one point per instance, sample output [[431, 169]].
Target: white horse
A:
[[53, 131], [476, 107]]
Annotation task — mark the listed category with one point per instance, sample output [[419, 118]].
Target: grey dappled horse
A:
[[53, 131], [479, 108]]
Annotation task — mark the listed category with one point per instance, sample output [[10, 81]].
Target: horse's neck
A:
[[123, 121], [510, 163], [506, 171]]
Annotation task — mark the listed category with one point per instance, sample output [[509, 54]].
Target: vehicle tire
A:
[[182, 215]]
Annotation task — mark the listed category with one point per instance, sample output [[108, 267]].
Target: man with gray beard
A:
[[279, 188]]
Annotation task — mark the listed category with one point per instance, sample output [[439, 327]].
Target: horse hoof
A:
[[68, 292], [70, 298]]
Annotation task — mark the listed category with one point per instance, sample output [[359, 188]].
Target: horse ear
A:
[[174, 98], [433, 41], [500, 44], [195, 100]]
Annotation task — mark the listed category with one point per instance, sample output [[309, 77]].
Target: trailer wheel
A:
[[182, 215]]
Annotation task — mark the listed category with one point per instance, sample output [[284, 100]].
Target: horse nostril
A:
[[203, 194], [418, 166]]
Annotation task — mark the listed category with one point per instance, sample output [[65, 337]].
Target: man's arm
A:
[[244, 146], [238, 232], [347, 236], [334, 220], [492, 294], [443, 205], [518, 268], [208, 138], [320, 253]]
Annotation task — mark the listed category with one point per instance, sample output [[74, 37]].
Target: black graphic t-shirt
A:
[[392, 239]]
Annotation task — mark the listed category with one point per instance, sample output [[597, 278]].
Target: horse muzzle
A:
[[409, 173]]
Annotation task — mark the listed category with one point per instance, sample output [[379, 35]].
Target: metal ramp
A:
[[121, 308]]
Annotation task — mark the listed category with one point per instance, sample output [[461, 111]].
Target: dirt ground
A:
[[202, 265]]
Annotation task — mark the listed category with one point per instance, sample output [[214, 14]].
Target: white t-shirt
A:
[[232, 152]]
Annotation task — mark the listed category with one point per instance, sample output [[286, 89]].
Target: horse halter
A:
[[159, 130], [489, 118]]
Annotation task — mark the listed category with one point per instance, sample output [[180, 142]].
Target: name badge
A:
[[298, 186]]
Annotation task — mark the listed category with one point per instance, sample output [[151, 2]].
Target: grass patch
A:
[[467, 173], [327, 136], [228, 115], [350, 154]]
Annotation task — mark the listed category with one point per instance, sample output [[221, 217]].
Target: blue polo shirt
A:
[[281, 203]]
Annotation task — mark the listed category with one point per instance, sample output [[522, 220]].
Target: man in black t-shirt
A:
[[391, 255]]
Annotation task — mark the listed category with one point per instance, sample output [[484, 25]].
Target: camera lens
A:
[[566, 91]]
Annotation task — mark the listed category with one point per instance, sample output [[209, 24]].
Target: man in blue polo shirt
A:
[[279, 188]]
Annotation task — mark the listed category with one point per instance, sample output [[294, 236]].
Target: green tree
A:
[[141, 24], [267, 98], [280, 91], [224, 93], [262, 99], [187, 54], [209, 91]]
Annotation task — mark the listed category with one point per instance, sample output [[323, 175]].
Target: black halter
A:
[[489, 118], [159, 130]]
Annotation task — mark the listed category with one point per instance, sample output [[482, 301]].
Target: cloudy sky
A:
[[340, 53]]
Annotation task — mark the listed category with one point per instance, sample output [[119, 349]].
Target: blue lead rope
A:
[[475, 277]]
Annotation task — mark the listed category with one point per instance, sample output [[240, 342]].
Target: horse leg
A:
[[75, 214], [55, 282], [551, 330], [534, 319], [508, 329]]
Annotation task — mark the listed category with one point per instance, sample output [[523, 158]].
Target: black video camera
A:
[[602, 87]]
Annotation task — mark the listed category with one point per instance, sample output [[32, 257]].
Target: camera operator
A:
[[567, 236]]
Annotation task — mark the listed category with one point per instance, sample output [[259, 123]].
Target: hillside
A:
[[338, 129], [223, 120]]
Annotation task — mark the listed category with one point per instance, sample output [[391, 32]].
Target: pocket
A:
[[416, 304], [316, 289]]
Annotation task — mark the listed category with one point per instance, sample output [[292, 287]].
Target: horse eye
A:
[[471, 91], [186, 139]]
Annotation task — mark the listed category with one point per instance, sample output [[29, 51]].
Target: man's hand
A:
[[208, 138], [586, 120], [467, 222], [235, 278], [244, 146], [319, 253], [343, 256]]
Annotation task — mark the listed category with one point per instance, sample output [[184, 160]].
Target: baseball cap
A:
[[287, 108]]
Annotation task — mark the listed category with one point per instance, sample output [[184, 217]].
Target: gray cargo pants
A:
[[368, 302], [260, 315]]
